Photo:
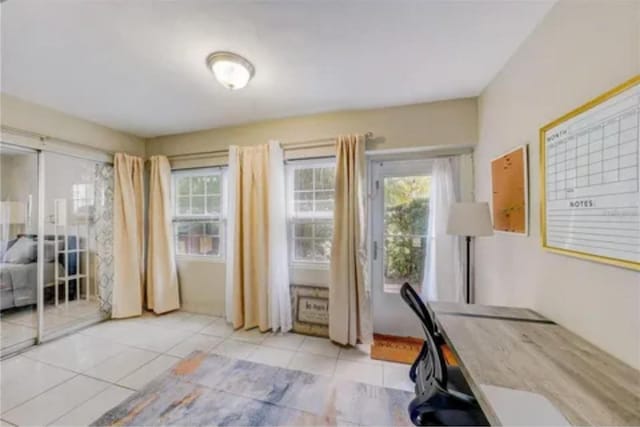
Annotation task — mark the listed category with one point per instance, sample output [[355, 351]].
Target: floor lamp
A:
[[469, 220]]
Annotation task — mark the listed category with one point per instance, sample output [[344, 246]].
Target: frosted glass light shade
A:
[[470, 219], [230, 69]]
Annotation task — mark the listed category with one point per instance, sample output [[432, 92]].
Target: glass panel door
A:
[[18, 248], [71, 290], [400, 211]]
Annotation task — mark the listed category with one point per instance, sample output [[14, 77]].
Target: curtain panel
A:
[[257, 282], [128, 243], [349, 296], [162, 274], [443, 268], [103, 222]]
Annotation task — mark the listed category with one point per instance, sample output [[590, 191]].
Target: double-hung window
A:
[[310, 187], [198, 218]]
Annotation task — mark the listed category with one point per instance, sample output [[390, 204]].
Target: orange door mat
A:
[[403, 349]]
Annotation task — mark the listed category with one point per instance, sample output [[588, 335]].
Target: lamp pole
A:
[[468, 266]]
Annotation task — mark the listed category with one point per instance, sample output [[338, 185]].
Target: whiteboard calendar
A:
[[590, 162]]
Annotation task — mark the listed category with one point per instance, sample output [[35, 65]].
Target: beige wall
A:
[[439, 123], [17, 113], [580, 50], [452, 123]]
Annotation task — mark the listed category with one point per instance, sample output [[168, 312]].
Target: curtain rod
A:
[[293, 145]]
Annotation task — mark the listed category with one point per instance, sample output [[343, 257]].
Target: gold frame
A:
[[543, 189]]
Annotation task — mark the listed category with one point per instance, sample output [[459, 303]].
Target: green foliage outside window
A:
[[407, 205]]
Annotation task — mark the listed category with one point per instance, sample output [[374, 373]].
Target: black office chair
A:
[[443, 396], [414, 302]]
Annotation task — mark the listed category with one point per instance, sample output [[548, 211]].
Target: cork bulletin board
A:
[[510, 192]]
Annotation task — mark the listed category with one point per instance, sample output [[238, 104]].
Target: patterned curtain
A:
[[103, 226]]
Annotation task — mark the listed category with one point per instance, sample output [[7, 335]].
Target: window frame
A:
[[312, 217], [220, 218]]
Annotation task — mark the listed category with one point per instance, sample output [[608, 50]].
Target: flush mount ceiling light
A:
[[232, 70]]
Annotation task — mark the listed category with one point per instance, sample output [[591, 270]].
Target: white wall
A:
[[580, 50]]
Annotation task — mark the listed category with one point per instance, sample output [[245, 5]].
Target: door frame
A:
[[379, 168]]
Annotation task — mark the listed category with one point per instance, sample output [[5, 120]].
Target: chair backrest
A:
[[434, 361], [433, 365], [413, 300]]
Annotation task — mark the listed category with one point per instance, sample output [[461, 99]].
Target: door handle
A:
[[375, 250]]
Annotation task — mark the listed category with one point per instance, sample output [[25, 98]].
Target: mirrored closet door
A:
[[77, 242], [18, 248]]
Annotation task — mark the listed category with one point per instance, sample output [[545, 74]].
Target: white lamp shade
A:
[[470, 219], [13, 212]]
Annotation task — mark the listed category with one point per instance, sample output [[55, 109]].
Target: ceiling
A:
[[139, 66]]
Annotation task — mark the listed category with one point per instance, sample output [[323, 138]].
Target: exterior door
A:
[[399, 213]]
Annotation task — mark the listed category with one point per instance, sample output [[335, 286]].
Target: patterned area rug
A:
[[214, 390]]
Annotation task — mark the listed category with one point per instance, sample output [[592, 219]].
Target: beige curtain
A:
[[249, 279], [128, 245], [162, 274], [349, 302]]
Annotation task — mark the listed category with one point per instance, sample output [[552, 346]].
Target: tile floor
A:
[[74, 380], [17, 326]]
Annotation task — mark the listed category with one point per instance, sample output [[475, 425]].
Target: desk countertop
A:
[[519, 349]]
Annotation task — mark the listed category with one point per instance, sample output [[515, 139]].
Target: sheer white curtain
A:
[[232, 173], [278, 254], [443, 270]]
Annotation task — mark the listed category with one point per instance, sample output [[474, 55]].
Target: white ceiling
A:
[[139, 65]]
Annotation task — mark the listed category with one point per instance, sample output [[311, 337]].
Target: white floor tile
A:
[[321, 346], [93, 408], [121, 365], [23, 378], [218, 328], [396, 375], [11, 334], [75, 352], [148, 372], [359, 353], [52, 404], [288, 341], [199, 342], [4, 423], [253, 336], [271, 356], [234, 349], [357, 371], [140, 332], [196, 322], [313, 363]]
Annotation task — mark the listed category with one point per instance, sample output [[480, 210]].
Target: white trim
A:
[[304, 217], [212, 259], [310, 265], [429, 151], [46, 143], [218, 218]]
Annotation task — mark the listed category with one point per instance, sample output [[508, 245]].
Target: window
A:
[[310, 200], [198, 207]]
